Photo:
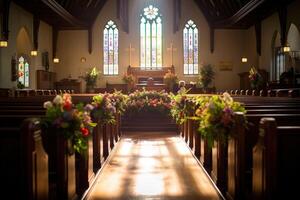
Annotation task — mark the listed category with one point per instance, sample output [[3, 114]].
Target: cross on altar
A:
[[130, 49], [172, 49]]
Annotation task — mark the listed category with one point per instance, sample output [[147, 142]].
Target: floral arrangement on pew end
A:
[[170, 80], [118, 100], [72, 121], [215, 115], [104, 108], [182, 107], [256, 79]]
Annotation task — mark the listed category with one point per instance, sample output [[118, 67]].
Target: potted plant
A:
[[129, 80], [256, 79], [207, 75], [90, 78], [170, 80]]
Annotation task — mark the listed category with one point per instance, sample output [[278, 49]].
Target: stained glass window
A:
[[110, 49], [151, 38], [23, 71], [190, 48]]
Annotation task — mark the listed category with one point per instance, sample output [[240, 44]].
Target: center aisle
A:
[[152, 166]]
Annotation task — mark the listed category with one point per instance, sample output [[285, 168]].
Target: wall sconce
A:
[[244, 60], [3, 43], [56, 60], [33, 53], [286, 48]]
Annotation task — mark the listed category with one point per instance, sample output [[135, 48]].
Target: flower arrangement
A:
[[182, 107], [206, 76], [215, 115], [148, 101], [128, 78], [256, 80], [91, 77], [104, 109], [119, 101], [72, 121], [170, 79]]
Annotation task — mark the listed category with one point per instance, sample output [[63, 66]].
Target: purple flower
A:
[[89, 107]]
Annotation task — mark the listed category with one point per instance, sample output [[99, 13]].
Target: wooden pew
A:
[[24, 163], [276, 161], [84, 165], [236, 154]]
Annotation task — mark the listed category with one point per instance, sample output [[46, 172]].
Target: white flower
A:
[[227, 98], [48, 105], [58, 100]]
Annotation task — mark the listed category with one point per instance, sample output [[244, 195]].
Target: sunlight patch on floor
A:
[[152, 168]]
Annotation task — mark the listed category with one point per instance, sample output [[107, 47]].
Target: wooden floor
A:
[[152, 166]]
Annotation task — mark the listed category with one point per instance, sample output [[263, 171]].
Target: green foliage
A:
[[207, 75], [20, 85]]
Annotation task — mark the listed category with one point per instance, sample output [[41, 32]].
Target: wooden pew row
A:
[[288, 92], [276, 161], [204, 155], [247, 140], [24, 162], [61, 167], [85, 167]]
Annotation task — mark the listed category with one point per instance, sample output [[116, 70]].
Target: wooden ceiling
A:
[[65, 14], [238, 14], [80, 14]]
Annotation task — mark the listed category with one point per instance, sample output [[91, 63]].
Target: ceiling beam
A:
[[204, 10], [5, 20], [258, 37], [36, 26], [282, 14], [61, 11], [240, 14]]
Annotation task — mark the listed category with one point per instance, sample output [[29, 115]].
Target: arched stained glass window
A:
[[151, 38], [190, 48], [110, 48], [23, 71]]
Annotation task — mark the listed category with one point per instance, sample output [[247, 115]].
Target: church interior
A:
[[149, 99]]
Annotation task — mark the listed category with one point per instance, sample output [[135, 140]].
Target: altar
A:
[[149, 79]]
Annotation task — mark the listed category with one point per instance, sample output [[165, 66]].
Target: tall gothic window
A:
[[151, 38], [190, 48], [23, 71], [110, 48]]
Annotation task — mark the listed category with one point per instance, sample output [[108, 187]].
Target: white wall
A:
[[20, 20]]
